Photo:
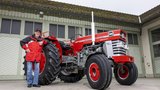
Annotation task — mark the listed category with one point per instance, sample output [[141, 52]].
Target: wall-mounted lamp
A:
[[41, 13]]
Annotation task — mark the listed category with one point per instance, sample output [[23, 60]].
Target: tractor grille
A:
[[119, 47]]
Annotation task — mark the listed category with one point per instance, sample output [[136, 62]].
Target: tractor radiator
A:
[[119, 47]]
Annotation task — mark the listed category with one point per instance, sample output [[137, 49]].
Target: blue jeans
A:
[[32, 79]]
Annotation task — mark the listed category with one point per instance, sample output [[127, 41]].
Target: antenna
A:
[[93, 29]]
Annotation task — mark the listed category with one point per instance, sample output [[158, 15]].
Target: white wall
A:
[[147, 53]]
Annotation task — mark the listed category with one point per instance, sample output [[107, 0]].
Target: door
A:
[[135, 51], [155, 48], [9, 48]]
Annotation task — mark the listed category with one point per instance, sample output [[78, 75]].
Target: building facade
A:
[[20, 18], [151, 41]]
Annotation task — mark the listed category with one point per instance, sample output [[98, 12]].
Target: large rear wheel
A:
[[50, 68], [126, 74], [98, 71]]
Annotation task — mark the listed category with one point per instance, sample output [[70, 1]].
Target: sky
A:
[[135, 7]]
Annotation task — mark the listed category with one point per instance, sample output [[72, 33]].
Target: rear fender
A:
[[57, 44]]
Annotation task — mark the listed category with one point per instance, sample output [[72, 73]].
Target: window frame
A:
[[33, 24], [19, 31], [133, 39], [153, 43], [153, 39], [11, 26], [77, 30], [57, 30], [154, 50], [88, 31]]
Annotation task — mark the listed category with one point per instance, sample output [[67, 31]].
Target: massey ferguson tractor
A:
[[71, 61]]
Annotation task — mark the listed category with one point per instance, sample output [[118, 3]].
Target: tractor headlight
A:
[[122, 35]]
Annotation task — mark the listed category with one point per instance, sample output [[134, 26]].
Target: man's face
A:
[[37, 34]]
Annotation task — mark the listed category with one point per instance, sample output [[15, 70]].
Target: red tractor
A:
[[70, 62]]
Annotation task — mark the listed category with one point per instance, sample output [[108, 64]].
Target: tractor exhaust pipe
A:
[[93, 29]]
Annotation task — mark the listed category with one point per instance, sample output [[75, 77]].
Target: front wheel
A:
[[126, 74], [98, 71]]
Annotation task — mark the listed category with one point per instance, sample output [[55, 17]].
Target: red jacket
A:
[[35, 48]]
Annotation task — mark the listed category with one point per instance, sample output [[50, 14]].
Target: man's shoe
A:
[[34, 85], [29, 85]]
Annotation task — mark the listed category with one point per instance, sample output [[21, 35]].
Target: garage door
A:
[[155, 45], [9, 57], [135, 51], [10, 49]]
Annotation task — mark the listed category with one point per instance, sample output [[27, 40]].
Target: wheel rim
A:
[[123, 72], [42, 63], [94, 72]]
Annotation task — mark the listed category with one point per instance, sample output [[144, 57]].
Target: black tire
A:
[[73, 77], [52, 66], [104, 69], [25, 67], [125, 78]]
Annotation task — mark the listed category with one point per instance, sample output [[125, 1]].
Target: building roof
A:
[[151, 14], [65, 10]]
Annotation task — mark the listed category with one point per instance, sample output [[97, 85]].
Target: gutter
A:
[[140, 23]]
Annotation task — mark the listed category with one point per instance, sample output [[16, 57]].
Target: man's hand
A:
[[41, 43], [44, 34], [27, 50]]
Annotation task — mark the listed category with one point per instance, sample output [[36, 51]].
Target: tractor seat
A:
[[64, 46]]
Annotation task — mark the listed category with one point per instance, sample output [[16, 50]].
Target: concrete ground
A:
[[141, 84]]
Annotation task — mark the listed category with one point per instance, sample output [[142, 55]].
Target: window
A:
[[10, 26], [156, 42], [5, 26], [156, 35], [87, 31], [37, 25], [53, 29], [30, 27], [132, 39], [73, 31], [99, 31], [61, 31], [156, 50], [57, 30], [16, 24]]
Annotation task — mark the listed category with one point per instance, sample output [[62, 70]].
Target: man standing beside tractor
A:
[[33, 47]]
